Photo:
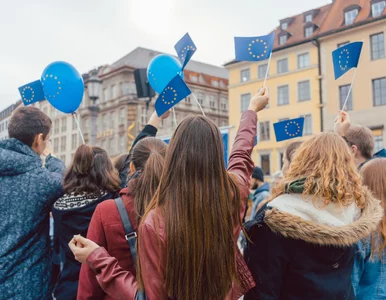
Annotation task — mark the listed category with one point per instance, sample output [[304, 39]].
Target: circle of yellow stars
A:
[[32, 94], [297, 128], [258, 41], [50, 77], [186, 48], [163, 95], [347, 53]]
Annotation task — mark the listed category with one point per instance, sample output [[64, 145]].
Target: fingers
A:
[[80, 239], [262, 91]]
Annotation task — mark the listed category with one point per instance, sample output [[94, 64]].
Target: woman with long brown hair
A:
[[369, 265], [90, 179], [302, 243]]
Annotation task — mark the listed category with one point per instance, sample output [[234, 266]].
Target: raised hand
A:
[[342, 123], [259, 101]]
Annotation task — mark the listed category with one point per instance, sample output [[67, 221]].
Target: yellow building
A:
[[293, 81], [350, 21]]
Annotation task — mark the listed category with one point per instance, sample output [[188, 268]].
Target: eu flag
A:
[[254, 48], [185, 49], [288, 129], [31, 92], [346, 58], [174, 92]]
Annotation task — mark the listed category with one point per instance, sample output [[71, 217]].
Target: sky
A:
[[90, 33]]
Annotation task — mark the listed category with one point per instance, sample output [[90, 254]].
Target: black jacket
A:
[[291, 258]]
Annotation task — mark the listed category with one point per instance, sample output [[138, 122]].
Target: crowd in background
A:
[[164, 221]]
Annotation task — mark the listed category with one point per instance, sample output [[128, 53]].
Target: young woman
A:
[[303, 241], [369, 265], [288, 155], [90, 180], [106, 229]]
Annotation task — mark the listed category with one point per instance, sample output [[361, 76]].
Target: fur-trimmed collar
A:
[[295, 227]]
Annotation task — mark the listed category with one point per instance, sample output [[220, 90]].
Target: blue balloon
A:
[[63, 86], [161, 70]]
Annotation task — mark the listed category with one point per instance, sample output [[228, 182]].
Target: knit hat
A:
[[258, 174]]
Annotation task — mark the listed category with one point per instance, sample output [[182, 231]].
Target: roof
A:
[[140, 58], [205, 80]]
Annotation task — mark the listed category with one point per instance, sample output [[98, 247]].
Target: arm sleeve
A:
[[55, 165], [268, 267], [152, 263], [147, 131], [112, 278], [54, 172], [360, 259], [89, 287]]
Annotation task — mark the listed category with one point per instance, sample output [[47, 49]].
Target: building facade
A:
[[121, 115], [351, 21], [5, 116]]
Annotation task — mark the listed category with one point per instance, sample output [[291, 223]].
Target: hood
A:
[[312, 227], [262, 188], [17, 158]]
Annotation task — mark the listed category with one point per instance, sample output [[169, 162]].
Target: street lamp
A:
[[93, 87]]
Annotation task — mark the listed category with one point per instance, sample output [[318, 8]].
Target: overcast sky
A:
[[89, 33]]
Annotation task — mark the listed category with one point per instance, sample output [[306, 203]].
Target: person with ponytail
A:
[[370, 260], [90, 179]]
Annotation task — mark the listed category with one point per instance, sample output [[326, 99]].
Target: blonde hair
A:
[[374, 177], [326, 163]]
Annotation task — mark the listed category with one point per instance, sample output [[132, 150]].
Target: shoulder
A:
[[154, 223]]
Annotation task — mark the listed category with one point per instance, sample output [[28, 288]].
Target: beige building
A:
[[5, 116]]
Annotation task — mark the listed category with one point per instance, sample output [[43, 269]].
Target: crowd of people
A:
[[164, 221]]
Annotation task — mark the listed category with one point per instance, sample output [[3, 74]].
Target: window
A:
[[112, 119], [282, 65], [350, 16], [379, 91], [378, 143], [212, 102], [283, 95], [284, 26], [143, 116], [64, 124], [193, 78], [304, 92], [377, 46], [223, 103], [63, 142], [308, 18], [245, 99], [343, 44], [56, 145], [215, 83], [114, 90], [122, 144], [85, 124], [303, 60], [308, 31], [343, 91], [63, 158], [245, 75], [377, 8], [265, 162], [122, 117], [281, 157], [104, 121], [128, 88], [201, 98], [307, 125], [264, 131], [56, 126], [74, 141], [224, 123], [262, 70], [282, 39], [187, 100], [106, 94]]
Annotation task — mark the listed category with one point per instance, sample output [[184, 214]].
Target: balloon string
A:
[[78, 126], [199, 105]]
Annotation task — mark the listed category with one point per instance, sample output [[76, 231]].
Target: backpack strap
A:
[[130, 234]]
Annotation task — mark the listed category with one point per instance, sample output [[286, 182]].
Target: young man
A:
[[261, 189], [27, 192]]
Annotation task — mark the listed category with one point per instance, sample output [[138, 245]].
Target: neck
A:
[[359, 160]]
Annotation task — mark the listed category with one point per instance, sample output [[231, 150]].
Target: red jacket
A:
[[113, 274], [107, 231]]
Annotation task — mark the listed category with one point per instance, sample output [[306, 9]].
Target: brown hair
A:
[[120, 162], [27, 122], [91, 172], [148, 157], [362, 137], [374, 176], [200, 248], [328, 166], [290, 151]]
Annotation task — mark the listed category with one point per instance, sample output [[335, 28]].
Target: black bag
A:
[[131, 238]]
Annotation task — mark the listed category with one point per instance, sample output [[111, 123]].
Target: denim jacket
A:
[[369, 273]]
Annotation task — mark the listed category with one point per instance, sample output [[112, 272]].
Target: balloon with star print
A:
[[63, 86]]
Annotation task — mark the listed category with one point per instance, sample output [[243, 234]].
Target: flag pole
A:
[[78, 126], [199, 105], [349, 91], [266, 73]]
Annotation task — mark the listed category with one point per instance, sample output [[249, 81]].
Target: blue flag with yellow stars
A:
[[185, 49], [31, 92], [346, 58], [254, 48], [174, 92], [288, 129]]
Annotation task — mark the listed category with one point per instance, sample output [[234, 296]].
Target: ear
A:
[[354, 149], [37, 142], [132, 167]]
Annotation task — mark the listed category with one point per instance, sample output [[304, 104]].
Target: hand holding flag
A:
[[259, 101]]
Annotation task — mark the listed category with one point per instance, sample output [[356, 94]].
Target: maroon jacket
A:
[[120, 284]]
